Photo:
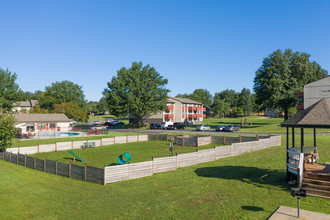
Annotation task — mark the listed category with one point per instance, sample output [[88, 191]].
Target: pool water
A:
[[59, 134]]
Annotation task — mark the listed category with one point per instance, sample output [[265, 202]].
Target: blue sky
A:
[[213, 45]]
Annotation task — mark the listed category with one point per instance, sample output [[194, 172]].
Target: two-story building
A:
[[180, 110], [314, 92], [24, 106]]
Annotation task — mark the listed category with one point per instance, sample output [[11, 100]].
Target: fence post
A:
[[182, 141], [35, 163], [17, 157], [176, 153], [268, 135], [18, 150], [10, 156], [114, 140], [240, 138], [72, 145], [137, 138], [215, 153], [38, 148], [126, 139], [153, 166], [56, 167], [70, 163], [257, 138], [224, 139], [25, 160], [104, 183], [55, 146], [45, 164], [86, 172], [197, 155], [101, 142]]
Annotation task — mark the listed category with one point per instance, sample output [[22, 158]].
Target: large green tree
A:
[[102, 105], [139, 90], [229, 96], [71, 110], [281, 76], [60, 92], [220, 106], [9, 90], [245, 101], [7, 131]]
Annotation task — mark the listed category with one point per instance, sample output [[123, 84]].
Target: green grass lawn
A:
[[248, 186], [107, 155]]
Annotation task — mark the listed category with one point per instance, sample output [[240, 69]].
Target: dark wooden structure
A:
[[316, 177]]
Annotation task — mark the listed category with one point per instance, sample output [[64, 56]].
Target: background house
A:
[[42, 122], [23, 106]]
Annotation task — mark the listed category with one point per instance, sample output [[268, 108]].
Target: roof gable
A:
[[186, 101], [321, 82], [22, 118], [315, 116]]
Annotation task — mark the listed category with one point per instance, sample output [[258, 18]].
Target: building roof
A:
[[36, 118], [186, 101], [31, 103], [315, 116], [325, 81]]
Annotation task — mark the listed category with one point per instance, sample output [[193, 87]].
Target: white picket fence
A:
[[60, 146], [158, 165]]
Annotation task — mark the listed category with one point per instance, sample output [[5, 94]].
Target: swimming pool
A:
[[58, 134]]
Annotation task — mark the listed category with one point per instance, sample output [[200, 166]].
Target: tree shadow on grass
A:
[[251, 175]]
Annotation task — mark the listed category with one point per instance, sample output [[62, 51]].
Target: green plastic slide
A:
[[76, 156]]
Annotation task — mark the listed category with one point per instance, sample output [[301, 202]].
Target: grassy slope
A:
[[249, 186], [107, 155]]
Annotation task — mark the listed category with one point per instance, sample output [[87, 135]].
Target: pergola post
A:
[[302, 140], [293, 144], [314, 132]]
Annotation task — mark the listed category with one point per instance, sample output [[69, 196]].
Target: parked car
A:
[[220, 128], [98, 127], [118, 124], [110, 123], [176, 126], [155, 126], [165, 124], [232, 128], [203, 128]]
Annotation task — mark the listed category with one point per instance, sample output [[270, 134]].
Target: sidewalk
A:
[[288, 213]]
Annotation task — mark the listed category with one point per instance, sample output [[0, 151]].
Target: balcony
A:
[[192, 108], [170, 107], [300, 94], [204, 109], [204, 116], [300, 107], [168, 116], [192, 116]]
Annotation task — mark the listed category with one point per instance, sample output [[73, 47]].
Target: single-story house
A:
[[22, 106], [35, 123]]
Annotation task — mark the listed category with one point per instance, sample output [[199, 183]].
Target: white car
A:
[[203, 128]]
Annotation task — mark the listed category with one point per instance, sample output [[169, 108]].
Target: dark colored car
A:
[[232, 128], [176, 126], [220, 128], [155, 126], [118, 124]]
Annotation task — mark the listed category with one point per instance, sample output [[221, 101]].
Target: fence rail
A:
[[61, 146], [158, 165], [117, 173]]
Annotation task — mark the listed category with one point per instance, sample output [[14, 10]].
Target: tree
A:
[[203, 96], [37, 110], [102, 105], [220, 106], [7, 131], [139, 90], [237, 111], [281, 76], [71, 110], [245, 101], [229, 96], [60, 92], [9, 90]]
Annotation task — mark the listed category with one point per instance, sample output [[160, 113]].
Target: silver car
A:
[[203, 128]]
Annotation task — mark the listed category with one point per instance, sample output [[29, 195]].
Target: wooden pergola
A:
[[315, 116]]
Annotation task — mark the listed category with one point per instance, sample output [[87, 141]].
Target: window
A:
[[52, 125]]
